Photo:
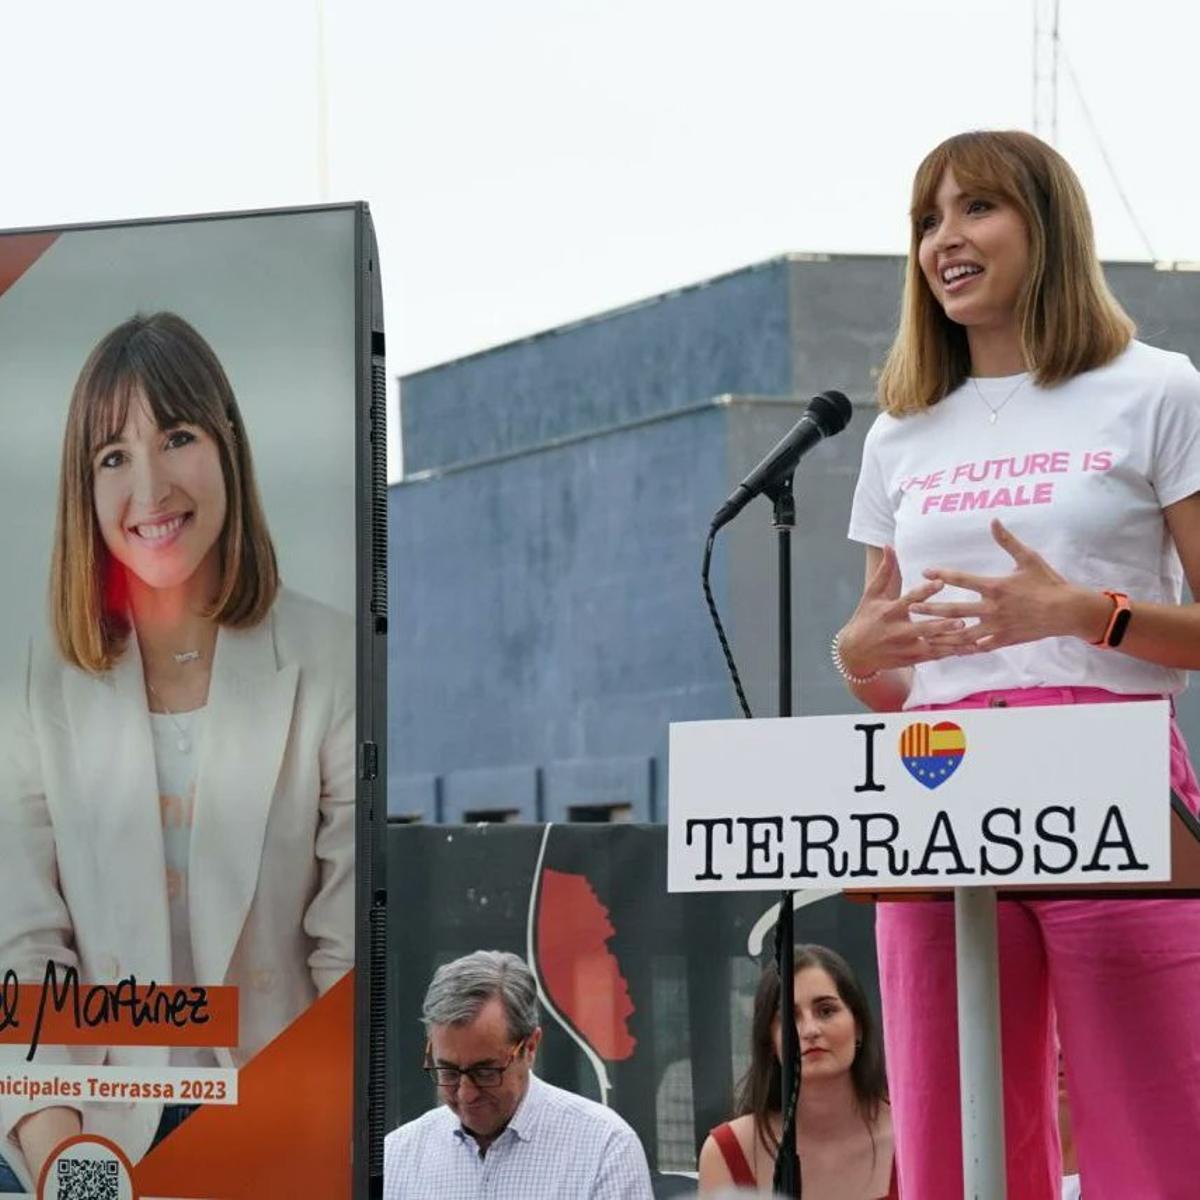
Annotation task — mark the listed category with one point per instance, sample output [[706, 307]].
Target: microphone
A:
[[827, 414]]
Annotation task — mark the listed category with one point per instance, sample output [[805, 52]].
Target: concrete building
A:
[[547, 618]]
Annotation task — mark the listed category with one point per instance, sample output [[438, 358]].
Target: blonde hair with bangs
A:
[[1068, 319], [163, 360]]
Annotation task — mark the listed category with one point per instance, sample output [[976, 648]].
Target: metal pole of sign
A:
[[979, 1067]]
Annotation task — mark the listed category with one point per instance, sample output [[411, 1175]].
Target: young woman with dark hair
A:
[[177, 788], [843, 1123]]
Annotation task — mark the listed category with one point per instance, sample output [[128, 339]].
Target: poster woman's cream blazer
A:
[[271, 875]]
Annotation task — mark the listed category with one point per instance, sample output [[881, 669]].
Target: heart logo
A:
[[931, 753]]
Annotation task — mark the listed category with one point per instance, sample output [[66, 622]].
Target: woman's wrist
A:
[[847, 663], [38, 1132], [1087, 614]]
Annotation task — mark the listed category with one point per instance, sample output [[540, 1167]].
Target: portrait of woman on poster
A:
[[1029, 500], [177, 792], [843, 1121]]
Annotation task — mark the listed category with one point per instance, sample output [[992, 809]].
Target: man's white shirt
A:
[[558, 1146]]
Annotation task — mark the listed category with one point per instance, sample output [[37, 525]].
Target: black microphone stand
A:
[[787, 1180], [826, 415]]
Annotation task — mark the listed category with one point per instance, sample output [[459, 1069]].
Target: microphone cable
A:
[[716, 619]]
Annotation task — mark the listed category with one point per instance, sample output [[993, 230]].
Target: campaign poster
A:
[[181, 738]]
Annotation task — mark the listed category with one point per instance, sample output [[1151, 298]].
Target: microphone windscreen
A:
[[831, 412]]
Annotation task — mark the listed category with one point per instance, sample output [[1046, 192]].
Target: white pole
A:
[[322, 108], [1046, 47], [979, 1068]]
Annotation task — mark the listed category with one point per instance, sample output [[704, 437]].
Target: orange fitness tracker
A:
[[1117, 623]]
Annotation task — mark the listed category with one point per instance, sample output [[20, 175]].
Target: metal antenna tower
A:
[[1045, 70]]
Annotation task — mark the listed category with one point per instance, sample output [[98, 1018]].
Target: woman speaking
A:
[[177, 792], [1014, 365]]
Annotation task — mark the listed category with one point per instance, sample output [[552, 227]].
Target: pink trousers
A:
[[1116, 982]]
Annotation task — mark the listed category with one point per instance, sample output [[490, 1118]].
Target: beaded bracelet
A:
[[835, 653]]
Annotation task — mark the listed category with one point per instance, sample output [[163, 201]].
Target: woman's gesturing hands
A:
[[881, 634], [1032, 602]]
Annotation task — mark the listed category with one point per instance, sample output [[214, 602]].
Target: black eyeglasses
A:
[[484, 1076]]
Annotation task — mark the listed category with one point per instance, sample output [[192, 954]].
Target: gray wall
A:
[[727, 335], [532, 620], [548, 621]]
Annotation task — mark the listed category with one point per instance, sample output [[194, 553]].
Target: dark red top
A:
[[739, 1168]]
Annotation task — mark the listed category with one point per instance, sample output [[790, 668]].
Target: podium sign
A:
[[980, 797]]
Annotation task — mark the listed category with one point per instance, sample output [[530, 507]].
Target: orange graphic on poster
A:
[[19, 252], [297, 1092], [63, 1011]]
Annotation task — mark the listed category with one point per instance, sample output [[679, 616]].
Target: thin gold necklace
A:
[[995, 409]]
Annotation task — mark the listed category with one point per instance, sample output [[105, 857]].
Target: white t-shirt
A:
[[1079, 472]]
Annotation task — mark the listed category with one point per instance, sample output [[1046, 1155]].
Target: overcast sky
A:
[[529, 162]]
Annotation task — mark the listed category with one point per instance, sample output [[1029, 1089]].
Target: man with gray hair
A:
[[501, 1132]]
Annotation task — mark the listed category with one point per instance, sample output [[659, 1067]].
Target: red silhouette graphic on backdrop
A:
[[582, 977]]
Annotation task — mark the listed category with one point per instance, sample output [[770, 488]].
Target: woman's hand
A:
[[1031, 603], [881, 634], [38, 1134]]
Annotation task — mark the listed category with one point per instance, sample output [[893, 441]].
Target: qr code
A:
[[88, 1179]]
